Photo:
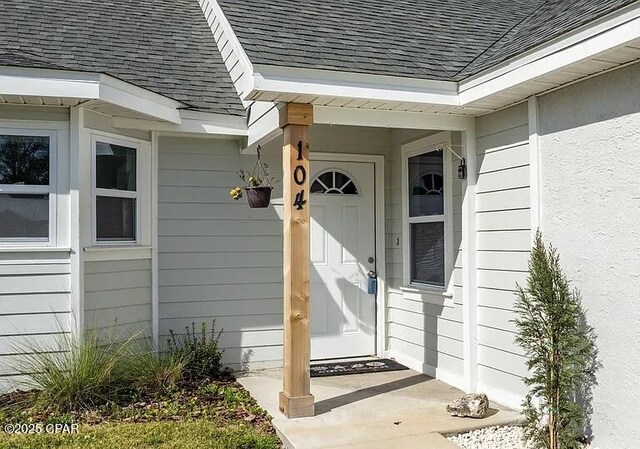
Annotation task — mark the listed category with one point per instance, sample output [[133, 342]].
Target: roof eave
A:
[[86, 86], [531, 73], [539, 69], [328, 87]]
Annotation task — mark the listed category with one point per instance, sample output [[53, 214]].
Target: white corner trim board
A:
[[470, 263], [534, 166], [88, 86]]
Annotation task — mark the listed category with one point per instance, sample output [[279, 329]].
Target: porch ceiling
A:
[[381, 105]]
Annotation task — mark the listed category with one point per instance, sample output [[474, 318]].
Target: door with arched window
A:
[[343, 313]]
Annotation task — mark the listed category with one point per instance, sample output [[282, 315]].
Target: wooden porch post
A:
[[296, 399]]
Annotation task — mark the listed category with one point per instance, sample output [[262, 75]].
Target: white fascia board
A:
[[115, 91], [220, 27], [87, 86], [191, 122], [569, 49], [264, 123], [390, 119], [328, 83], [49, 83]]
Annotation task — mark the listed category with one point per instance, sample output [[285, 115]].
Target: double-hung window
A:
[[26, 180], [426, 197], [116, 193], [427, 215]]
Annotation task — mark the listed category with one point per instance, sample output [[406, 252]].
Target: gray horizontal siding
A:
[[118, 297], [218, 259], [34, 308], [504, 235], [428, 334]]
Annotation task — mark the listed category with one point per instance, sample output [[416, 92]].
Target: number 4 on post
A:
[[300, 201]]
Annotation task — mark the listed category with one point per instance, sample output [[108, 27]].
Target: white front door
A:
[[343, 313]]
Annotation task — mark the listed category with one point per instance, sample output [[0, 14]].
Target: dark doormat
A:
[[355, 367]]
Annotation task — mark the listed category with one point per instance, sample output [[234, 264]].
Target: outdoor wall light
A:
[[462, 167]]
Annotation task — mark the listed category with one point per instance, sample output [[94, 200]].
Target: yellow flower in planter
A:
[[236, 193]]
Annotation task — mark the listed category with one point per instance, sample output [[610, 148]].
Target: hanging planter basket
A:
[[257, 185], [258, 197]]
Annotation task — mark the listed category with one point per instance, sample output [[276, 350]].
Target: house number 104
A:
[[299, 177]]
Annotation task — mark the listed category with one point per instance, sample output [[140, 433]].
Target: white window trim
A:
[[14, 128], [95, 191], [433, 293]]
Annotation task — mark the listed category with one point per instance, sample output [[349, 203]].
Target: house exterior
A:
[[132, 119]]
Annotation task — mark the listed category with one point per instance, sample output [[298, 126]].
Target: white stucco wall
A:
[[589, 146]]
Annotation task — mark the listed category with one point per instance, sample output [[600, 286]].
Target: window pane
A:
[[115, 167], [24, 160], [24, 216], [427, 253], [426, 186], [334, 183], [116, 218], [316, 187]]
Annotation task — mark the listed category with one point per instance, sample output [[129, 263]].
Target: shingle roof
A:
[[165, 46], [551, 20], [428, 39]]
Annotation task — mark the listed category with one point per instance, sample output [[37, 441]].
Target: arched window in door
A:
[[334, 182]]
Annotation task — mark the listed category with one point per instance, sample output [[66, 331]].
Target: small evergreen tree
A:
[[559, 348]]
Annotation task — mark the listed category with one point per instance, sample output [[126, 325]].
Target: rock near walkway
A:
[[469, 406]]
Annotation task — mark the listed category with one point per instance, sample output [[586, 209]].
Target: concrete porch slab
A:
[[366, 411]]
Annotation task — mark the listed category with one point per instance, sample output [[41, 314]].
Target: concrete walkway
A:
[[400, 409]]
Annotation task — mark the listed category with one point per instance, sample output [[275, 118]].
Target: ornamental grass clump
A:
[[153, 371], [560, 352], [86, 375]]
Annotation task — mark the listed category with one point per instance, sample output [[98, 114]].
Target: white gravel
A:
[[493, 438]]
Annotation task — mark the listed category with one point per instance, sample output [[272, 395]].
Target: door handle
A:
[[372, 283]]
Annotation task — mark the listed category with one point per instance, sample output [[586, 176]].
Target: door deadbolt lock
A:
[[371, 260]]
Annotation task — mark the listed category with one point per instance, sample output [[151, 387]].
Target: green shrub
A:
[[86, 375], [560, 351], [201, 351]]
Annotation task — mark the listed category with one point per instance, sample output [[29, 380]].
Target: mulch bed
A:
[[222, 401]]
